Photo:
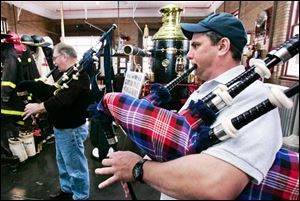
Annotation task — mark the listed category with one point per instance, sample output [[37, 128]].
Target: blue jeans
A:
[[71, 161]]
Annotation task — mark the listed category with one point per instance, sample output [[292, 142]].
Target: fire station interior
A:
[[129, 32]]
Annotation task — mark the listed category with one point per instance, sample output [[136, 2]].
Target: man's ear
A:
[[224, 46]]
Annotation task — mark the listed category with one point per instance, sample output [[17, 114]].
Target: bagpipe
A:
[[43, 91], [164, 135], [229, 127], [105, 125]]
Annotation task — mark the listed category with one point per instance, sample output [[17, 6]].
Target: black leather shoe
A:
[[60, 195]]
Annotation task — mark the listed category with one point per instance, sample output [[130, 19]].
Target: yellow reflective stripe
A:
[[20, 123], [27, 43], [29, 97], [11, 112], [29, 60], [7, 83], [42, 43], [19, 59]]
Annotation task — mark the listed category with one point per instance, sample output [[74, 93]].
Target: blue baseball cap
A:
[[224, 24]]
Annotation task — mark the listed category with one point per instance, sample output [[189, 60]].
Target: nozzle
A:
[[132, 50]]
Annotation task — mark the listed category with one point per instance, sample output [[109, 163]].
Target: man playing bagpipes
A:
[[219, 172], [67, 111]]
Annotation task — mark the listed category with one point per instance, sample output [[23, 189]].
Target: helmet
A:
[[39, 41], [14, 38], [47, 39], [16, 41], [3, 35], [27, 40]]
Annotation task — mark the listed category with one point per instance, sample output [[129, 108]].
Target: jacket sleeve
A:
[[9, 77]]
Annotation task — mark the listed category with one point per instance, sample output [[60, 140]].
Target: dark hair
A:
[[215, 38]]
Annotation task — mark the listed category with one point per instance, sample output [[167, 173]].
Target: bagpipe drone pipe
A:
[[282, 179], [43, 91], [164, 135], [229, 127]]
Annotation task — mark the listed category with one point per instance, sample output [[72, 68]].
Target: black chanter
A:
[[179, 79], [161, 94], [44, 79]]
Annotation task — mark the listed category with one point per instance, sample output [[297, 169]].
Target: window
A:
[[291, 70], [81, 43], [3, 25]]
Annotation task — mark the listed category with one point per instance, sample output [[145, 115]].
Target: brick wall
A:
[[230, 6], [27, 23], [281, 25], [279, 30], [249, 11]]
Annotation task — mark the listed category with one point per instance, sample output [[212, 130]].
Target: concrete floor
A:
[[37, 177]]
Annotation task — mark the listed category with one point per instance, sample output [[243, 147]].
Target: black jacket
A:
[[67, 109]]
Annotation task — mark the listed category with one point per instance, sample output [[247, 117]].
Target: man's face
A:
[[202, 53], [59, 60]]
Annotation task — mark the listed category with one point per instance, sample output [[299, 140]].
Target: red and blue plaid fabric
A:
[[281, 182], [161, 134]]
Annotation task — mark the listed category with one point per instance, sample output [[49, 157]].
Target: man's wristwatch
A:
[[137, 170]]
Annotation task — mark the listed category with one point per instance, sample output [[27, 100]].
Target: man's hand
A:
[[119, 165], [33, 108]]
